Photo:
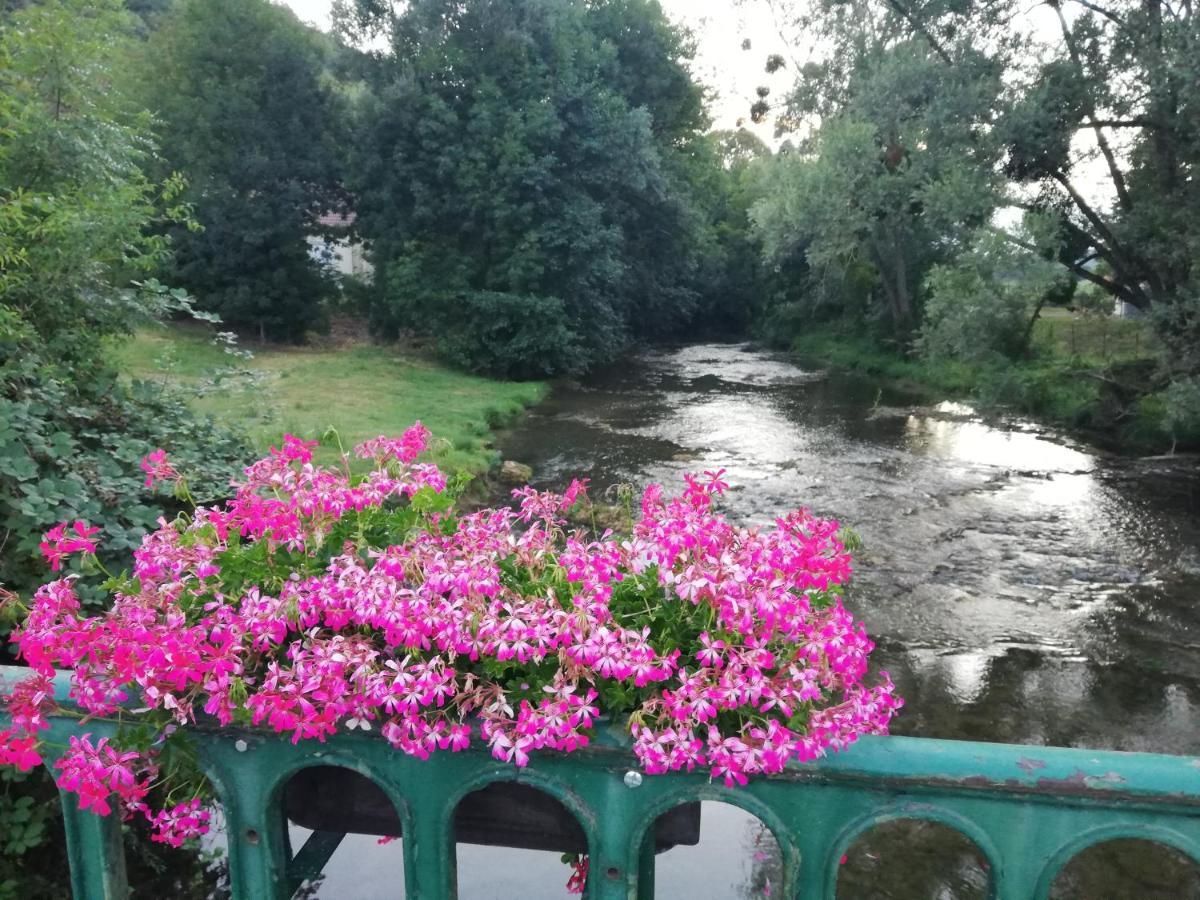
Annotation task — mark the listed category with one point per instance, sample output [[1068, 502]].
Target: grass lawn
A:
[[1056, 383], [1098, 340], [361, 391]]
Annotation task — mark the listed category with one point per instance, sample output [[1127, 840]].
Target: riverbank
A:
[[359, 389], [1088, 376]]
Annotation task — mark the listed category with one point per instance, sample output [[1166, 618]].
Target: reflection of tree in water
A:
[[766, 862], [1127, 870], [913, 860]]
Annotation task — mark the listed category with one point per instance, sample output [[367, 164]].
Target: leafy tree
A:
[[243, 108], [1112, 103], [982, 304], [893, 181], [1096, 121], [533, 150], [733, 281], [150, 12], [670, 273], [78, 222], [76, 230]]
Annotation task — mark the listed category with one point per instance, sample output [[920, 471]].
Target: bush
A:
[[511, 335], [70, 451], [79, 220], [982, 304], [1180, 404]]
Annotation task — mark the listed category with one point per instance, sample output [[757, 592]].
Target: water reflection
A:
[[737, 857], [1022, 587]]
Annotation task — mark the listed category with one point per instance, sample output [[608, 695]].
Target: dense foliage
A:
[[243, 108], [523, 170], [80, 227], [925, 129], [77, 225], [891, 184]]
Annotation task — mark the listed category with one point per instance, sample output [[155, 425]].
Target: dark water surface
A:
[[1021, 588]]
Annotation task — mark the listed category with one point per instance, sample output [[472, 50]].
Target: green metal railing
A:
[[1029, 809]]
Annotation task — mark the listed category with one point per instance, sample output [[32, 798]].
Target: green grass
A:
[[1066, 380], [1095, 340], [361, 391]]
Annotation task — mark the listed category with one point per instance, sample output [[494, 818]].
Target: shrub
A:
[[982, 304], [511, 335]]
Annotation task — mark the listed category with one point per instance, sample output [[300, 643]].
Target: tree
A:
[[77, 244], [733, 280], [982, 303], [78, 223], [894, 179], [1096, 123], [243, 109], [1113, 101], [521, 169], [671, 273]]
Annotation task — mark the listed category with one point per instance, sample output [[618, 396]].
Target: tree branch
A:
[[1135, 122], [1111, 16], [1078, 267], [1088, 212], [1114, 170], [919, 26]]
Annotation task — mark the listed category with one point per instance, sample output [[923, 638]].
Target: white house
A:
[[345, 257]]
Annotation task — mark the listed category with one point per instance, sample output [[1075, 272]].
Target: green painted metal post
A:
[[96, 853], [645, 874], [615, 859], [310, 860], [817, 849], [241, 768], [429, 857], [1020, 844]]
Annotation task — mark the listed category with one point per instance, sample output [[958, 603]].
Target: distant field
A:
[[1097, 339], [362, 391]]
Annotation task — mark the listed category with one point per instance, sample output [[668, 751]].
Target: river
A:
[[1021, 587]]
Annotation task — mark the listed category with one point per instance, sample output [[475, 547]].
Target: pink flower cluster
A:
[[314, 602], [577, 883], [97, 771], [180, 823], [62, 540], [19, 749], [157, 467]]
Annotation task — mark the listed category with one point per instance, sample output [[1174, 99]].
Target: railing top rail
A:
[[909, 763]]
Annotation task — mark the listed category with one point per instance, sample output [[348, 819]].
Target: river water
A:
[[1021, 587]]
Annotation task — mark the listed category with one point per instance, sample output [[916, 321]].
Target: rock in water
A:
[[513, 472]]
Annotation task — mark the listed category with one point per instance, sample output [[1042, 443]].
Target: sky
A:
[[721, 64]]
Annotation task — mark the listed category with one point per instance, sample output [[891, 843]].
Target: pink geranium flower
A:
[[157, 467], [62, 540], [18, 750]]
